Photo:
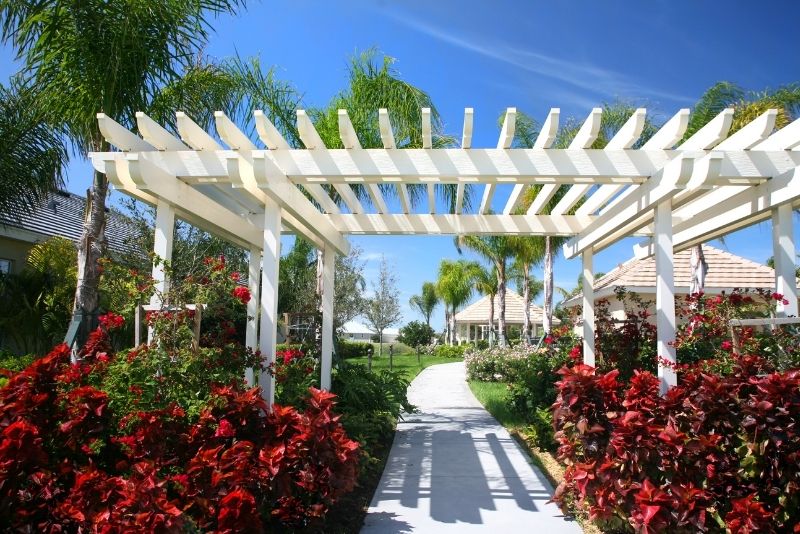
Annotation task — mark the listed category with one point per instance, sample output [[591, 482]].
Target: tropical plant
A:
[[454, 286], [426, 301], [32, 154], [39, 297], [105, 56], [747, 106], [614, 115], [374, 84], [486, 284], [497, 250]]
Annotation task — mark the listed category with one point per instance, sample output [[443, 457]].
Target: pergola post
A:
[[328, 270], [268, 338], [251, 333], [162, 247], [665, 296], [783, 247], [587, 281]]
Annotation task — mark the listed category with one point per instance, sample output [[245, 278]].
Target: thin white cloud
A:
[[584, 76], [373, 256]]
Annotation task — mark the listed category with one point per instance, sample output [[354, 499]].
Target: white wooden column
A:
[[162, 247], [251, 333], [587, 281], [783, 248], [268, 338], [328, 270], [665, 295]]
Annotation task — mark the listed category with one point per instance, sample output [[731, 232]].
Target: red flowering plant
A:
[[718, 453], [163, 438], [627, 342], [295, 371], [706, 334]]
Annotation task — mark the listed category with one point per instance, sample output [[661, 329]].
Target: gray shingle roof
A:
[[61, 214]]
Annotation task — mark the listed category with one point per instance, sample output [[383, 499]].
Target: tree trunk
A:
[[90, 250], [547, 316], [491, 321], [526, 295], [446, 325], [501, 315], [453, 326], [380, 343]]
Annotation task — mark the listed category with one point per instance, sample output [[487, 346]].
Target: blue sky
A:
[[529, 55]]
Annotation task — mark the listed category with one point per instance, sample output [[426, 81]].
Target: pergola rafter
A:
[[710, 185]]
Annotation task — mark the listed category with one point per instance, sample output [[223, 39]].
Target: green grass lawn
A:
[[493, 397], [405, 362]]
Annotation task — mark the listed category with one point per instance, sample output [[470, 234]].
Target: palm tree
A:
[[486, 284], [426, 302], [373, 85], [747, 105], [497, 250], [454, 286], [528, 252], [32, 154], [614, 116], [110, 56]]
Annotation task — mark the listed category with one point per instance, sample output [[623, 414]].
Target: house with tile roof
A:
[[725, 272], [472, 323], [60, 214]]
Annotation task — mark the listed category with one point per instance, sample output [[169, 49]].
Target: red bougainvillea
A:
[[242, 294]]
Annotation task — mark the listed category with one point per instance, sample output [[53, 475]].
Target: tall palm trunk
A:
[[501, 315], [547, 319], [453, 326], [491, 320], [526, 297], [90, 250]]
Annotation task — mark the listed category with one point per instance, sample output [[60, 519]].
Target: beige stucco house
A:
[[472, 323], [725, 272]]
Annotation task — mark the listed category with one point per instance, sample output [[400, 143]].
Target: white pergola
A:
[[675, 196]]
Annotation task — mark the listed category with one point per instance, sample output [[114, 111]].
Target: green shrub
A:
[[540, 430], [531, 380], [447, 351], [353, 349], [416, 334], [11, 362], [370, 402]]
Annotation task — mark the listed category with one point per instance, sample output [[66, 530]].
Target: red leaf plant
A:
[[716, 452], [69, 463]]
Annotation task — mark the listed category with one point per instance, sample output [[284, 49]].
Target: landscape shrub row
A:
[[717, 452], [167, 437], [354, 349]]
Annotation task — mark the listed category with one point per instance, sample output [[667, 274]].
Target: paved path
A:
[[454, 468]]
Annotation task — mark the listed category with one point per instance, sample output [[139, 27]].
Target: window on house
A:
[[5, 266]]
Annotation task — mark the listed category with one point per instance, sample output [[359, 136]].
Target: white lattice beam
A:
[[677, 175], [387, 137], [466, 143], [504, 142], [545, 139], [453, 224]]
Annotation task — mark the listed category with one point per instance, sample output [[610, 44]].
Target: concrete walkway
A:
[[454, 468]]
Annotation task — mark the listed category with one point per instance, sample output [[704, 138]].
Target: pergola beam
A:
[[466, 143], [503, 143], [659, 188], [452, 224], [547, 135]]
